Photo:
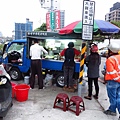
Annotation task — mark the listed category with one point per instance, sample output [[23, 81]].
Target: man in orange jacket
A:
[[112, 77]]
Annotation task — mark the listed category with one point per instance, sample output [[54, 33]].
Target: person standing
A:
[[93, 62], [112, 78], [36, 66], [69, 65]]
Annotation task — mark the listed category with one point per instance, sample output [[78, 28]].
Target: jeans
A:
[[113, 91], [68, 75]]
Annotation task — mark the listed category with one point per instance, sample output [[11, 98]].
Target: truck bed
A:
[[57, 65]]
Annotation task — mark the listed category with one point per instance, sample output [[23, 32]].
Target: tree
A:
[[117, 23], [41, 28], [1, 46]]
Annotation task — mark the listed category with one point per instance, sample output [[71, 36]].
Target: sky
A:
[[16, 11]]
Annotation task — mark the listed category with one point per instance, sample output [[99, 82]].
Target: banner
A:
[[48, 21], [52, 20], [57, 20]]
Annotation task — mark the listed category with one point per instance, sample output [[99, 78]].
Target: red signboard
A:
[[48, 21], [57, 20]]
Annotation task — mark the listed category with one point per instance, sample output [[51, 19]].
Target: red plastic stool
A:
[[78, 101], [61, 98]]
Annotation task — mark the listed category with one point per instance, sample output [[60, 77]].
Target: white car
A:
[[103, 52]]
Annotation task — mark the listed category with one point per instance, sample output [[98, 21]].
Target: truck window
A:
[[16, 47]]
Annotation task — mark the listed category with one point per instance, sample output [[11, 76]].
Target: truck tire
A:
[[59, 80], [15, 74]]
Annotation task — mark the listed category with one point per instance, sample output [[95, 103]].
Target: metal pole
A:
[[52, 7], [81, 67], [87, 34], [51, 14]]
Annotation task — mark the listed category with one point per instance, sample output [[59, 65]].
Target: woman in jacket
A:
[[69, 66], [93, 62]]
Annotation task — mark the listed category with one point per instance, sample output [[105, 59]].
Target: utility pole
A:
[[52, 16], [87, 35], [51, 6]]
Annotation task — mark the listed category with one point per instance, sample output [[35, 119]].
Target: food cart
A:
[[55, 43]]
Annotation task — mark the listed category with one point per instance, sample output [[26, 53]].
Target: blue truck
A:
[[16, 53]]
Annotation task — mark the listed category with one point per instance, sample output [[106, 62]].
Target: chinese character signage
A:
[[88, 20], [52, 20], [57, 20], [48, 21]]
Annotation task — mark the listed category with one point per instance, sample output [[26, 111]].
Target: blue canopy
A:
[[100, 27], [107, 27]]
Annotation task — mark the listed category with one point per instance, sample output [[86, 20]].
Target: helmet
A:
[[94, 48], [70, 44], [114, 47]]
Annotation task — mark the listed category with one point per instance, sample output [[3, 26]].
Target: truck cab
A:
[[14, 54]]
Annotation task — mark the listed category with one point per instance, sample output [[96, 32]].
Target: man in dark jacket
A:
[[69, 65]]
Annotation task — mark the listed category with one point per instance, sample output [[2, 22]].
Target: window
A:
[[16, 47]]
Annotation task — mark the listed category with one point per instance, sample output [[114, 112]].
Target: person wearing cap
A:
[[36, 65], [69, 66], [93, 62], [112, 78]]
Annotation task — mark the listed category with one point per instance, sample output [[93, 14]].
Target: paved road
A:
[[39, 105]]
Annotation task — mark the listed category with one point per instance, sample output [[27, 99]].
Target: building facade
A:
[[22, 28], [62, 19], [114, 14]]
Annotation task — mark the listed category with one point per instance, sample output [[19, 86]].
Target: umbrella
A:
[[100, 27]]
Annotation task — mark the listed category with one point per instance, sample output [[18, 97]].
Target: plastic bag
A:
[[48, 80]]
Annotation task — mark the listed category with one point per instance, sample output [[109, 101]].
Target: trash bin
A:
[[13, 90], [22, 91], [26, 79]]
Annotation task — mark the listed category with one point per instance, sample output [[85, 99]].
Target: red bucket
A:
[[22, 91], [13, 90]]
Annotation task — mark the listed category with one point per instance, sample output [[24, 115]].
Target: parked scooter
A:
[[5, 92]]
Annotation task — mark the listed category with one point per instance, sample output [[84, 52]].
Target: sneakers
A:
[[96, 97], [87, 97], [41, 88], [108, 112], [31, 87]]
